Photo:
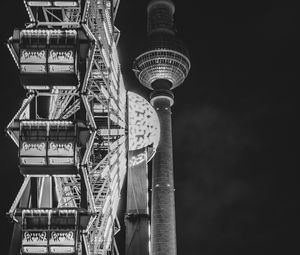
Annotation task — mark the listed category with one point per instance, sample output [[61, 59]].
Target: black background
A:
[[234, 122]]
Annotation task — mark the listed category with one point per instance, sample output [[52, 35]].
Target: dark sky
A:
[[234, 122]]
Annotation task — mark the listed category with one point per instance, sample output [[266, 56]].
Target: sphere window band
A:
[[161, 64]]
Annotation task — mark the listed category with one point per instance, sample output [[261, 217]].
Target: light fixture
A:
[[39, 3], [65, 3]]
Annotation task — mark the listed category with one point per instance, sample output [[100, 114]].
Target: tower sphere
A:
[[164, 56]]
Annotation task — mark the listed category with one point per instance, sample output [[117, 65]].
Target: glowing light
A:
[[104, 92], [113, 172], [115, 195], [62, 250], [33, 56], [114, 183], [61, 56], [106, 204], [45, 123], [115, 206], [112, 88], [108, 226], [61, 69], [61, 161], [65, 3], [62, 237], [115, 55], [108, 18], [104, 171], [55, 3], [38, 3], [26, 113], [144, 126], [33, 149], [111, 131], [34, 238], [35, 250], [149, 240], [33, 69], [113, 105], [107, 33], [39, 87], [60, 149], [33, 161], [105, 57]]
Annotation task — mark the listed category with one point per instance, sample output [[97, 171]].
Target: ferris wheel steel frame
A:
[[102, 97]]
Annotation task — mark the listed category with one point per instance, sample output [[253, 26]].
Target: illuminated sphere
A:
[[164, 57], [144, 126]]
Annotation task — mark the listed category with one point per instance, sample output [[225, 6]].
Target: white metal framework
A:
[[102, 95]]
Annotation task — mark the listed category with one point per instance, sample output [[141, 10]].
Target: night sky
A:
[[234, 122]]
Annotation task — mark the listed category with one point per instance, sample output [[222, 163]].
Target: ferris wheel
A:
[[78, 132]]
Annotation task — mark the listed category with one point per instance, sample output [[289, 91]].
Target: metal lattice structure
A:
[[71, 46]]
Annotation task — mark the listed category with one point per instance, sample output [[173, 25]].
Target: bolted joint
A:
[[31, 93]]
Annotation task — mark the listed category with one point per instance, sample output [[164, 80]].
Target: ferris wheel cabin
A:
[[50, 58], [51, 231], [50, 147]]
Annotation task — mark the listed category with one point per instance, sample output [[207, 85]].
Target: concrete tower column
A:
[[163, 224]]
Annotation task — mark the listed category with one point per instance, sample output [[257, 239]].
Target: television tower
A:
[[162, 66]]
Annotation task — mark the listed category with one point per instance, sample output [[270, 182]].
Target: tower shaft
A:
[[163, 227]]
